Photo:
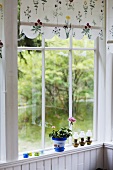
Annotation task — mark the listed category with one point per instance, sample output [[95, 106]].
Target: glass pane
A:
[[23, 41], [56, 42], [57, 97], [83, 43], [83, 89], [29, 100]]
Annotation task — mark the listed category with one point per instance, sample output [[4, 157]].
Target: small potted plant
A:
[[59, 136]]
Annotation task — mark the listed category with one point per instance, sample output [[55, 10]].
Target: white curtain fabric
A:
[[1, 19], [1, 27], [110, 24], [62, 18], [110, 20]]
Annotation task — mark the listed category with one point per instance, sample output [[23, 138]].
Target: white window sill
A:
[[52, 154], [108, 145]]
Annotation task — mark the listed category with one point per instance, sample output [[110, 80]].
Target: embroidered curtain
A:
[[1, 18], [62, 18], [110, 25], [1, 27]]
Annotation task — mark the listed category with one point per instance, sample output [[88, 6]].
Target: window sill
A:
[[52, 154], [108, 145]]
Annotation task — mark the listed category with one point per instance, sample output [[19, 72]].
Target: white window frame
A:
[[70, 49], [9, 103]]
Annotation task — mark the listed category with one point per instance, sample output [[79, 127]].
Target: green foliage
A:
[[56, 88], [61, 133]]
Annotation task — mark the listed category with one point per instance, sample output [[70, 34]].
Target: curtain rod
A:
[[57, 25]]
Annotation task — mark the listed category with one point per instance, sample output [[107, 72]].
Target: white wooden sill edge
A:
[[52, 154], [108, 145]]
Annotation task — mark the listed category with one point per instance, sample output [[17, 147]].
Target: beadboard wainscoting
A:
[[108, 156], [81, 158]]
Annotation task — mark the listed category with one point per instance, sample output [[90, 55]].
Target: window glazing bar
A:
[[43, 93], [53, 48], [70, 83], [95, 113]]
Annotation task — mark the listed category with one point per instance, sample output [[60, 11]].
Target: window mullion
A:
[[70, 81], [96, 55], [43, 92]]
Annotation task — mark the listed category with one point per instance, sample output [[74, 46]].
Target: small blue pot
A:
[[59, 144]]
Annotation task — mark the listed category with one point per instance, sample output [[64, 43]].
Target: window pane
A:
[[57, 42], [29, 100], [83, 89], [23, 41], [57, 95], [83, 43]]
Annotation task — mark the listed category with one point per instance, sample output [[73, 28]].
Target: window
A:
[[55, 81], [33, 58]]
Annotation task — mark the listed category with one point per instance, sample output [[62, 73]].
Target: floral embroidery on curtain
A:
[[110, 25], [1, 27], [110, 20], [62, 18]]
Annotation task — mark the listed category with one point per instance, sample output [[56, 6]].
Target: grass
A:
[[30, 133]]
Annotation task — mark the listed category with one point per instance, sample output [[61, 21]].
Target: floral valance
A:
[[1, 19], [1, 27], [110, 20], [110, 25], [62, 18]]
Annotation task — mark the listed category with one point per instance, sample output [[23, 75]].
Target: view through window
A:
[[56, 54]]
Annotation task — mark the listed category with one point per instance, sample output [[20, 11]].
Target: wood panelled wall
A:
[[88, 158]]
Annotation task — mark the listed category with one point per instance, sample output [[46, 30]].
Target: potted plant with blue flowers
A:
[[59, 136]]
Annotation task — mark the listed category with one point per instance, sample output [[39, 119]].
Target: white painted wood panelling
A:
[[99, 157], [93, 160], [82, 158], [108, 156], [25, 167], [80, 161], [61, 163], [47, 164], [33, 166], [74, 161], [105, 158], [17, 168], [87, 161], [68, 162], [40, 165], [54, 164], [9, 168]]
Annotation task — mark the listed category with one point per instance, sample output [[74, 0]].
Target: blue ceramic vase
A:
[[59, 144]]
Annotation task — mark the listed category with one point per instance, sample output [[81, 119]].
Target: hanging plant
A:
[[1, 45], [37, 27], [86, 30]]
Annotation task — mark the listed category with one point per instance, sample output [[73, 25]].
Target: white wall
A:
[[82, 158]]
